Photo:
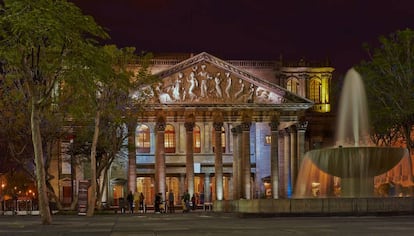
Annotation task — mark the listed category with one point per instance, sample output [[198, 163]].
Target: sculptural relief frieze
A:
[[205, 83]]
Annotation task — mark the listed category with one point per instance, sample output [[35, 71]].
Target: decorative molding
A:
[[205, 79], [217, 126], [160, 126], [236, 130], [286, 131], [189, 126], [245, 126], [302, 126], [274, 125]]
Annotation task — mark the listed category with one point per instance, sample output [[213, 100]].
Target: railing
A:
[[238, 63]]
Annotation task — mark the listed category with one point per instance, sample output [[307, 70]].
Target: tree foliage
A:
[[389, 80], [42, 44]]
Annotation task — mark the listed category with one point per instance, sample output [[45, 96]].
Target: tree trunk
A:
[[44, 209], [53, 196], [103, 176], [75, 198], [74, 203], [92, 196]]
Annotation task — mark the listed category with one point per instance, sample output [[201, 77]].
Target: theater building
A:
[[223, 129]]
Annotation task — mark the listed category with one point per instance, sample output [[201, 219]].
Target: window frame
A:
[[143, 139]]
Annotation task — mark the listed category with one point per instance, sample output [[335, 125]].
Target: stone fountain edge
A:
[[318, 206]]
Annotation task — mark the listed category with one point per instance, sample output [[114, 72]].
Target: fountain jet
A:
[[354, 160]]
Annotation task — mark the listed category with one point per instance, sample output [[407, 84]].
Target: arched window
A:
[[315, 90], [292, 85], [197, 139], [169, 139], [223, 139], [142, 139]]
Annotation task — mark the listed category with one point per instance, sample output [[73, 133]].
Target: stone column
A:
[[286, 163], [281, 161], [160, 159], [236, 163], [274, 159], [294, 162], [189, 163], [132, 159], [240, 161], [246, 169], [301, 128], [218, 164], [207, 192]]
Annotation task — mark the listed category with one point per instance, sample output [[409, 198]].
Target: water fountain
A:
[[354, 162]]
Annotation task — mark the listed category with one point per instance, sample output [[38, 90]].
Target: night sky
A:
[[316, 30]]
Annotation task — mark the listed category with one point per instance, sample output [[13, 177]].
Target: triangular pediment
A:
[[204, 79]]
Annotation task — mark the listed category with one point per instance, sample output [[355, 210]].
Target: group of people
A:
[[159, 206], [133, 200], [189, 204]]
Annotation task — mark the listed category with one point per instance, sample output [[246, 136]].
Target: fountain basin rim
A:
[[356, 162]]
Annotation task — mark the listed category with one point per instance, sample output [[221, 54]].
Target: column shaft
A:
[[189, 167], [281, 161], [207, 191], [132, 159], [236, 163], [301, 127], [274, 159], [246, 165], [294, 162], [286, 163], [218, 164], [160, 159]]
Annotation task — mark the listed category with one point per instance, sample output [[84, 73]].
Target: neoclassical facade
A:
[[223, 129]]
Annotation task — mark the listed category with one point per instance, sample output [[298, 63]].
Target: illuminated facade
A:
[[223, 129]]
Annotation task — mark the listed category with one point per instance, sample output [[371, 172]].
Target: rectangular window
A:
[[143, 139], [169, 142], [197, 142]]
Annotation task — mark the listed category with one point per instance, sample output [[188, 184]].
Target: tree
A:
[[106, 102], [41, 41], [16, 146], [389, 80], [16, 151], [105, 110], [112, 138]]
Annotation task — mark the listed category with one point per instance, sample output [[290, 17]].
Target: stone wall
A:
[[318, 206]]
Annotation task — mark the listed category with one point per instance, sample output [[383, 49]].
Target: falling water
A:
[[349, 167], [353, 129]]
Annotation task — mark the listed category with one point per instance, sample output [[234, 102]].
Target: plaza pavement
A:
[[205, 223]]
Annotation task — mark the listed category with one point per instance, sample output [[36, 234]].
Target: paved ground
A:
[[201, 223]]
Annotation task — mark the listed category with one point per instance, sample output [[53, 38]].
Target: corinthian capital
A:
[[189, 126], [217, 126]]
